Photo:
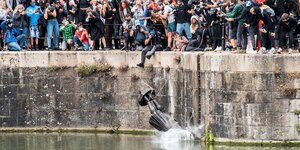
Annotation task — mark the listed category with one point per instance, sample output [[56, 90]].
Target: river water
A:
[[82, 141]]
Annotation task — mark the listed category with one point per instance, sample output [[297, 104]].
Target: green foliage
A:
[[85, 70], [297, 127], [297, 112], [149, 68], [208, 136], [123, 68], [56, 68], [134, 78], [289, 91]]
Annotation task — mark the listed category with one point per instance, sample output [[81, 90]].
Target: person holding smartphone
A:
[[34, 13]]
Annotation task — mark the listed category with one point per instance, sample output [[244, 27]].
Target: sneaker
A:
[[148, 56], [251, 52], [219, 48], [124, 48], [140, 65], [91, 48], [279, 51], [263, 50], [167, 49], [56, 48], [290, 51], [272, 51]]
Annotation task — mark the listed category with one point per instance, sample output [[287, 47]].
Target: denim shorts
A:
[[34, 32], [171, 27]]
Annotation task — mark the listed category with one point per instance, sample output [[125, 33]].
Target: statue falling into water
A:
[[162, 121], [158, 119]]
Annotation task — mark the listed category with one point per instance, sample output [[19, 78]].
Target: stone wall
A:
[[253, 97], [44, 89], [249, 97]]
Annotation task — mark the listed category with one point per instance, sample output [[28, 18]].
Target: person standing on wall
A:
[[168, 14], [34, 13], [52, 26], [20, 19]]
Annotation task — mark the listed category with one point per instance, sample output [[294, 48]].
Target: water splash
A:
[[176, 139]]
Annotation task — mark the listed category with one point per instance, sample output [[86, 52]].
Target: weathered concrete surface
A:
[[250, 97], [33, 92]]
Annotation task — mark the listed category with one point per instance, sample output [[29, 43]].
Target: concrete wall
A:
[[34, 92], [251, 97]]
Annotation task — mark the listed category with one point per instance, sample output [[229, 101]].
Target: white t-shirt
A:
[[171, 17]]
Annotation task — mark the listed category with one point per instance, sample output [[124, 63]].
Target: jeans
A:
[[186, 27], [17, 46], [13, 46], [24, 31], [145, 50], [52, 25], [22, 40], [282, 37], [77, 43], [267, 40], [252, 31], [242, 38]]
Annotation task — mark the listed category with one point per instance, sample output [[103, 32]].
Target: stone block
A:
[[121, 102], [67, 85], [282, 119], [259, 132], [294, 105], [239, 81], [62, 58], [249, 63], [278, 106], [285, 133], [5, 107], [10, 91], [214, 62], [11, 60], [297, 83], [128, 119], [263, 97], [143, 120], [217, 81], [34, 59], [298, 94], [264, 82], [287, 63], [256, 115]]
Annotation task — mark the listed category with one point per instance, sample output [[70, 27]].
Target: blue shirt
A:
[[33, 17], [10, 33]]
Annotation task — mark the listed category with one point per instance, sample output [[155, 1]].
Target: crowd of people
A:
[[272, 26]]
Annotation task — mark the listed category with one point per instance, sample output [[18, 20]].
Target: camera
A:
[[129, 27], [138, 27], [9, 23], [51, 8]]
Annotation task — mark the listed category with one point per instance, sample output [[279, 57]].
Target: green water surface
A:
[[81, 141]]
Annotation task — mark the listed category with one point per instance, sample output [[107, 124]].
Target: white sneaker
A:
[[290, 51], [263, 50], [219, 48], [273, 51], [251, 51]]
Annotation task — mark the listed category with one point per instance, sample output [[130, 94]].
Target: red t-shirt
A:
[[85, 38]]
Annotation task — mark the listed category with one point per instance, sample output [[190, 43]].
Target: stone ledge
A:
[[115, 58], [76, 130], [250, 142]]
